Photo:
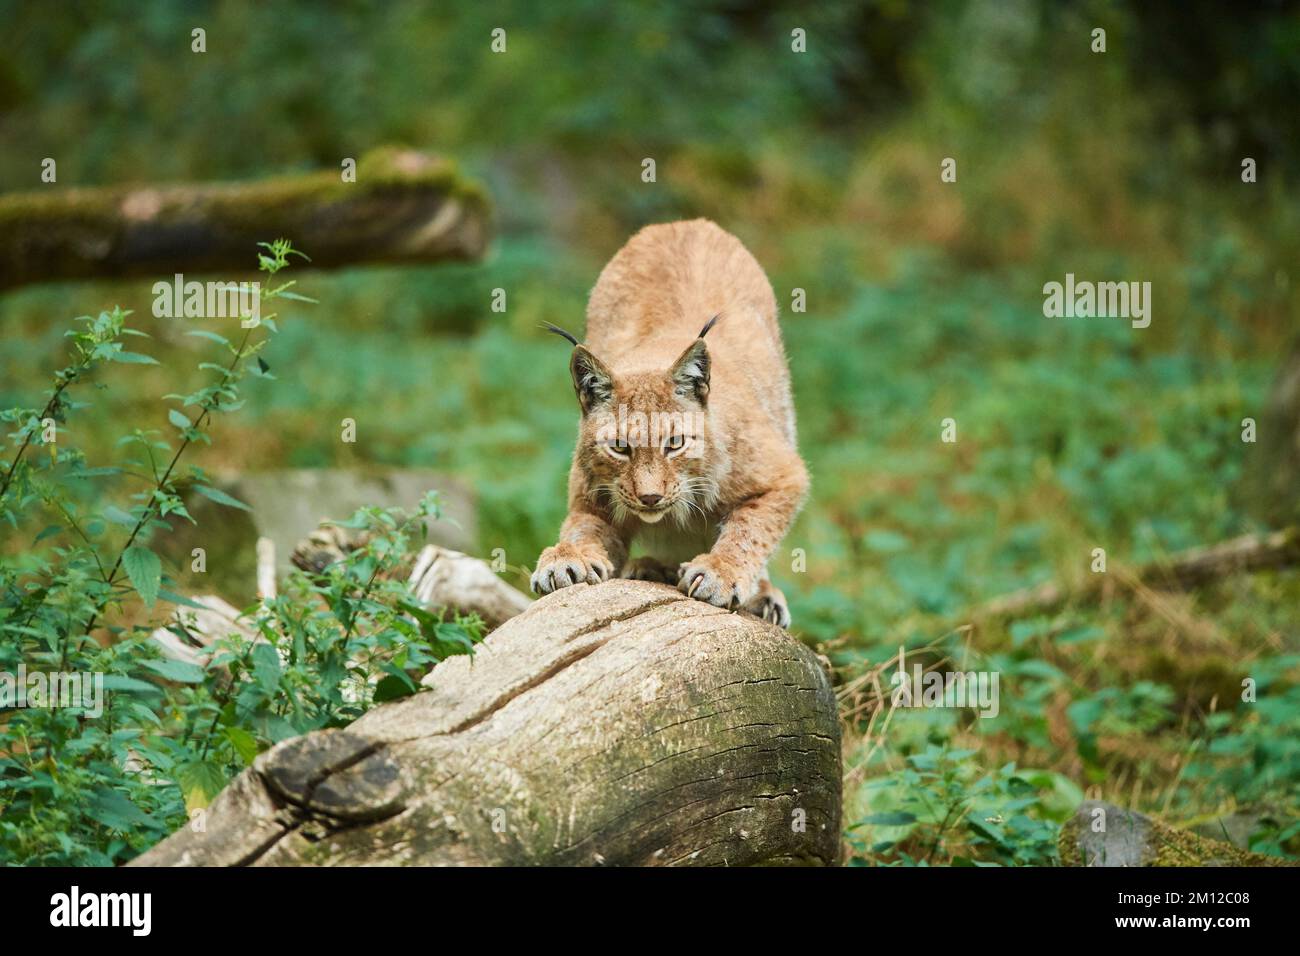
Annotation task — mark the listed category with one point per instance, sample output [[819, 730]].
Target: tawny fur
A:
[[728, 500]]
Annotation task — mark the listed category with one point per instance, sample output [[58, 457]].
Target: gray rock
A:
[[288, 505]]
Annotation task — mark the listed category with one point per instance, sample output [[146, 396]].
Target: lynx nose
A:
[[650, 500]]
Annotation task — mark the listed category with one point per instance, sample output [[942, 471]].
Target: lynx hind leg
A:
[[769, 604], [646, 568]]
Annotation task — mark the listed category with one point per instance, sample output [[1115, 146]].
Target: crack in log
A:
[[301, 809], [519, 690], [564, 662], [262, 848], [602, 623]]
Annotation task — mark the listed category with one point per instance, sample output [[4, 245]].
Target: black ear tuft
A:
[[592, 381], [559, 331], [690, 373], [708, 325]]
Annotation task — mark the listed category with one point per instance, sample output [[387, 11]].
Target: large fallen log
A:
[[404, 207], [620, 724]]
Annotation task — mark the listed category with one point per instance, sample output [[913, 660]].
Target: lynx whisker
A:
[[696, 494], [617, 504]]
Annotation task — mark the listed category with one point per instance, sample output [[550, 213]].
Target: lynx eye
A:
[[674, 443], [617, 448]]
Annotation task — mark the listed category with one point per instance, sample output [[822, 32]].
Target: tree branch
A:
[[1187, 569], [405, 207]]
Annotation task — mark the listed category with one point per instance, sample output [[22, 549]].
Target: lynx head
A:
[[644, 441]]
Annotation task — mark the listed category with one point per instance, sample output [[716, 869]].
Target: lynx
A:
[[686, 448]]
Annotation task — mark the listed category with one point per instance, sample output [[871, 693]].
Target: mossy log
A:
[[616, 724], [404, 207], [1102, 834]]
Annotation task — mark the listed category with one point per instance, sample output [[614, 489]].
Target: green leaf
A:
[[1024, 630], [213, 336], [894, 818], [266, 666], [177, 419], [145, 571], [220, 497], [174, 598], [392, 688], [453, 635], [1037, 668], [133, 358], [112, 809], [118, 516], [95, 472], [200, 781], [129, 684], [1077, 635], [181, 672], [245, 744]]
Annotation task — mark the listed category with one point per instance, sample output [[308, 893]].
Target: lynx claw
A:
[[771, 607], [708, 579], [565, 565]]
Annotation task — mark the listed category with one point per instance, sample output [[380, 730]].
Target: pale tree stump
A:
[[616, 724]]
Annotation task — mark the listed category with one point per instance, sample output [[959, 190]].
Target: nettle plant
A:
[[97, 782], [939, 808]]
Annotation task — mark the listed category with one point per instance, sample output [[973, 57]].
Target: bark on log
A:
[[617, 724], [405, 207]]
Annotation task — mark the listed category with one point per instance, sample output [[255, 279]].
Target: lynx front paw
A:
[[769, 604], [716, 580], [567, 564]]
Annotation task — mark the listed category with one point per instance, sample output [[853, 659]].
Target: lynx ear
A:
[[690, 374], [591, 379]]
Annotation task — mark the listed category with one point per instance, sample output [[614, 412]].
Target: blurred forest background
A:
[[924, 302]]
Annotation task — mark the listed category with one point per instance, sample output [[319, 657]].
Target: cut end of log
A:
[[615, 724]]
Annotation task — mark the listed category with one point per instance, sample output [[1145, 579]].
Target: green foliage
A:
[[97, 777], [939, 808]]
